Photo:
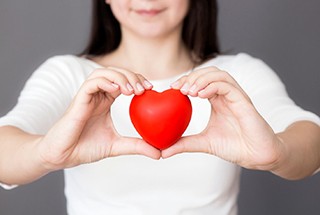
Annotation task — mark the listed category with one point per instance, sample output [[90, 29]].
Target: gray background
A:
[[285, 34]]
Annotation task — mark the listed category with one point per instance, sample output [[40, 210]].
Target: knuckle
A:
[[224, 76], [201, 80], [95, 73], [133, 77], [140, 76]]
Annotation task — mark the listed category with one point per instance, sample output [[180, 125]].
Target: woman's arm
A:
[[236, 132], [84, 134], [300, 154], [20, 162]]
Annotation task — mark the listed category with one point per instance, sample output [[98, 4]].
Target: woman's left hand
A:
[[236, 132]]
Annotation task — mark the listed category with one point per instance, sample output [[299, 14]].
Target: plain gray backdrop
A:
[[285, 34]]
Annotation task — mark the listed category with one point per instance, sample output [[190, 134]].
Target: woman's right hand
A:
[[86, 132]]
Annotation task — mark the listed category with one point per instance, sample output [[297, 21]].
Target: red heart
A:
[[161, 118]]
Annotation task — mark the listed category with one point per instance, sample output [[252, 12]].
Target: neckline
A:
[[157, 81]]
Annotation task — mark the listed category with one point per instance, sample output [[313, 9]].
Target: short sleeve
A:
[[7, 187], [46, 95], [268, 93]]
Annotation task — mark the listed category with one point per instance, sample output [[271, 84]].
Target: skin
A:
[[237, 133], [90, 136]]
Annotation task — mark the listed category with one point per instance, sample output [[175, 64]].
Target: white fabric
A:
[[186, 184]]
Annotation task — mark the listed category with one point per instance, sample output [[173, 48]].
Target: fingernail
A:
[[139, 87], [185, 87], [193, 88], [148, 84], [129, 87], [201, 92], [175, 84], [115, 85]]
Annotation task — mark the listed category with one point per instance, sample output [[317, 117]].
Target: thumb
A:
[[190, 143], [134, 146]]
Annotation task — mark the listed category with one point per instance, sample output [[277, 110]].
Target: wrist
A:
[[42, 160], [272, 161], [299, 155], [281, 155], [281, 166], [26, 165]]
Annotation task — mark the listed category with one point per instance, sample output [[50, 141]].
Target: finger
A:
[[199, 79], [226, 77], [147, 85], [94, 86], [179, 83], [204, 80], [134, 146], [215, 74], [186, 83], [191, 143], [114, 77], [230, 93], [136, 82], [129, 82], [189, 79]]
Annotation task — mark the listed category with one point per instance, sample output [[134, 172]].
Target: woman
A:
[[73, 115]]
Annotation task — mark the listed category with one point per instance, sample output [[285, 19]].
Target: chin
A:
[[156, 32]]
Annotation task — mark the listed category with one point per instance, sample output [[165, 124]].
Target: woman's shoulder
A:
[[241, 64], [70, 61], [228, 60], [67, 68], [67, 65]]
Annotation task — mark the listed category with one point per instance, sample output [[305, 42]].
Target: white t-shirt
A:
[[186, 184]]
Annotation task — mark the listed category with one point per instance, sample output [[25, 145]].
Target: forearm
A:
[[20, 162], [300, 151]]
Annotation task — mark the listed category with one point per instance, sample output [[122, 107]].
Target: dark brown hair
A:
[[199, 30]]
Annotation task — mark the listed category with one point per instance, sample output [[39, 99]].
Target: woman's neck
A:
[[154, 58]]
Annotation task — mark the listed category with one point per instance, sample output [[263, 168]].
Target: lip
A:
[[149, 12]]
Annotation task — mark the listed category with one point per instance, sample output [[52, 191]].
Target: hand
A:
[[235, 132], [86, 133]]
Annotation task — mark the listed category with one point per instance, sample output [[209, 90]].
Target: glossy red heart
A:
[[161, 118]]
